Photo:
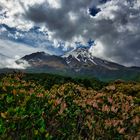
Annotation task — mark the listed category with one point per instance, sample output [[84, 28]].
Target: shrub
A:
[[66, 111]]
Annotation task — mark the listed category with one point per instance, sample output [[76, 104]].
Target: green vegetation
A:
[[52, 107], [49, 80]]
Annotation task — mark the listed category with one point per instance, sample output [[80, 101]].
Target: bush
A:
[[66, 111]]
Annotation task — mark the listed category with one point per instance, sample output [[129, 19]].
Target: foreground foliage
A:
[[68, 110]]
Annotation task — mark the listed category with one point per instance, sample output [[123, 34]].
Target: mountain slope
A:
[[42, 60], [82, 58], [79, 62]]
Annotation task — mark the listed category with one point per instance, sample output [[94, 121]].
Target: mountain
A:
[[43, 60], [82, 58], [79, 62]]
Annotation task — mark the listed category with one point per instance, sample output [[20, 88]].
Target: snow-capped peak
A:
[[82, 54]]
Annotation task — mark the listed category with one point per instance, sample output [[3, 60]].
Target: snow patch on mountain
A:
[[81, 54]]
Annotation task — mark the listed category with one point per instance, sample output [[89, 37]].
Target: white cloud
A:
[[12, 49], [54, 3], [7, 62], [14, 13], [10, 63], [97, 49]]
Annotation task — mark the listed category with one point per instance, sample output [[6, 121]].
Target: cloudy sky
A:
[[54, 26]]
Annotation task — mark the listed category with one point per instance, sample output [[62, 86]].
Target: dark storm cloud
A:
[[59, 20], [114, 25], [119, 32]]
